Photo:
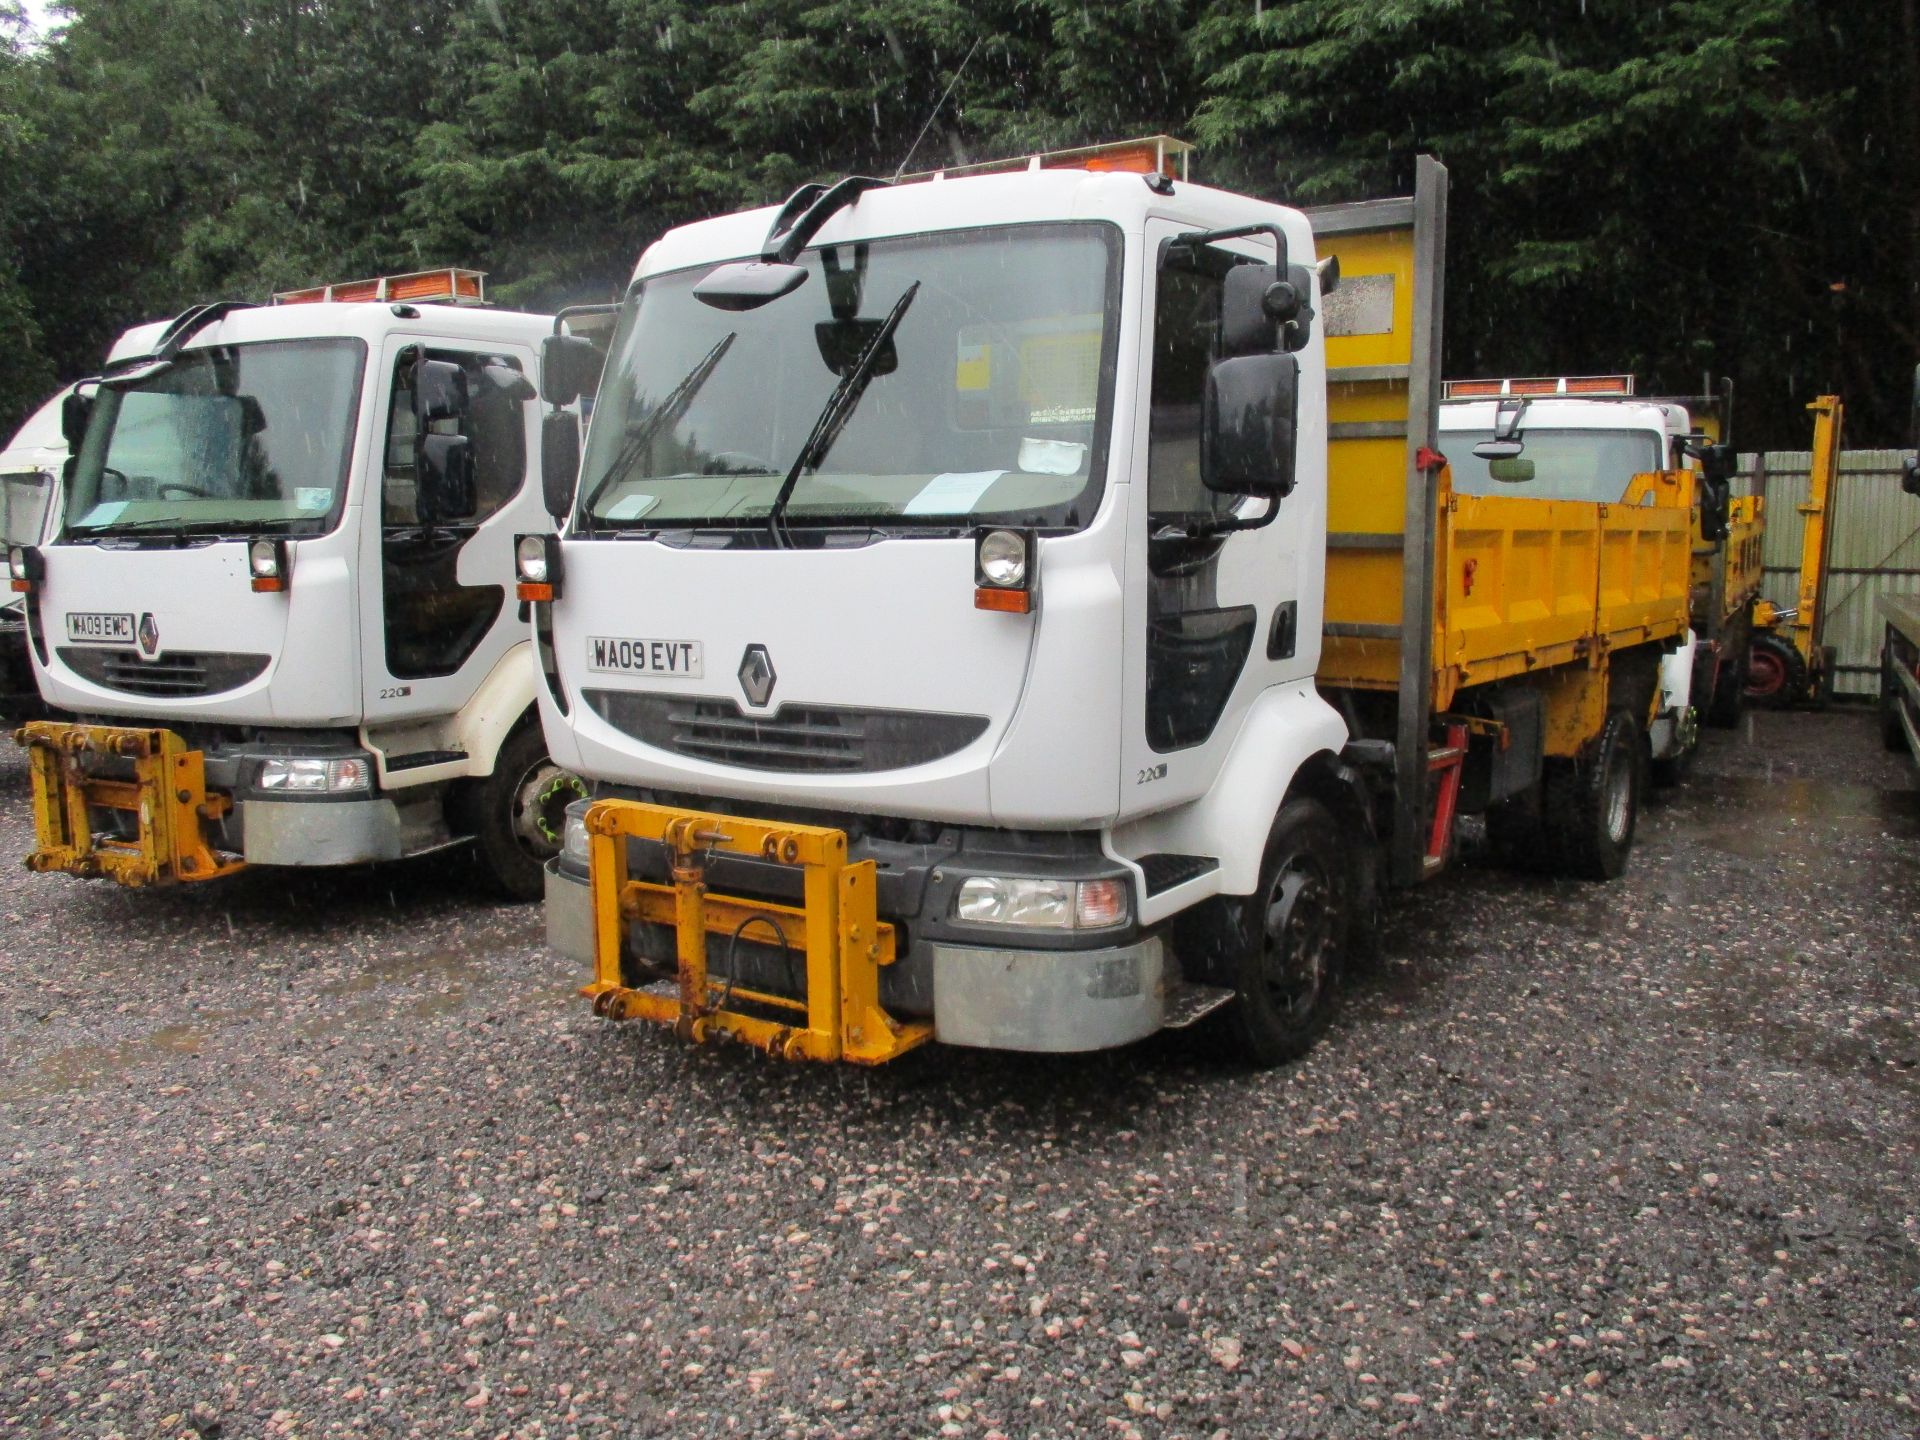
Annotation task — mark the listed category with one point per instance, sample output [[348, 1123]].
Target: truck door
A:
[[440, 617], [1222, 607]]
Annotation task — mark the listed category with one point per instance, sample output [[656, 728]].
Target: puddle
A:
[[81, 1067]]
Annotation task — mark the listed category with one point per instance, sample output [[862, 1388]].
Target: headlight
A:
[[343, 775], [26, 567], [1003, 571], [1003, 558], [536, 566], [267, 564], [573, 844], [530, 552], [1041, 904]]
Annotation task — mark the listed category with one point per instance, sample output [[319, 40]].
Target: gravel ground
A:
[[341, 1155]]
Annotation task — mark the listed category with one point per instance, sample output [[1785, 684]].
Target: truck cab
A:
[[276, 572], [30, 467]]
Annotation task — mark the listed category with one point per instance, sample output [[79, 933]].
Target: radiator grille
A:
[[178, 673], [809, 738]]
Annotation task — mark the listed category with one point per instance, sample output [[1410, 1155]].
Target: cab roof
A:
[[963, 202], [1565, 412], [370, 321]]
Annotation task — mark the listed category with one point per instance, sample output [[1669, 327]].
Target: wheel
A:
[[1729, 700], [1776, 675], [1290, 938], [519, 814], [1674, 769], [1513, 833], [1589, 807], [1893, 735]]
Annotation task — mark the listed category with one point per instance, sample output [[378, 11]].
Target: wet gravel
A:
[[340, 1155]]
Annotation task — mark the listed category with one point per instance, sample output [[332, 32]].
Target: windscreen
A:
[[1593, 465], [253, 437], [988, 400]]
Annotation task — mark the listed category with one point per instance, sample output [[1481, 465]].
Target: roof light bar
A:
[[1148, 155], [449, 285], [1610, 385]]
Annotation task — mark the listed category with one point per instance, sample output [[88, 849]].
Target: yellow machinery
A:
[[1788, 663], [835, 937], [164, 796]]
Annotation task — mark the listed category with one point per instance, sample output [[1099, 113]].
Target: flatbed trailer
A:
[[1187, 729]]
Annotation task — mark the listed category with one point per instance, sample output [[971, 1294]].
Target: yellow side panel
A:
[[1367, 474]]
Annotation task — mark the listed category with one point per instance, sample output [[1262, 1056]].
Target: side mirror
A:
[[1248, 425], [27, 494], [1716, 508], [75, 411], [1497, 450], [1254, 303], [1718, 463], [559, 461], [439, 392], [443, 479], [1510, 469], [569, 368], [1910, 477]]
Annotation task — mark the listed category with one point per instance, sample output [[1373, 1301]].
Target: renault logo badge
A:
[[149, 636], [756, 675]]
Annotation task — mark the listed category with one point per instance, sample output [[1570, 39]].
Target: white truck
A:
[[273, 599], [30, 468], [1024, 607], [1585, 438]]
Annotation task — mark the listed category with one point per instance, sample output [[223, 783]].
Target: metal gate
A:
[[1875, 548]]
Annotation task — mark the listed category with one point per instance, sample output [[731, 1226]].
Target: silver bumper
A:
[[345, 832], [1053, 1000], [1034, 1000], [569, 911]]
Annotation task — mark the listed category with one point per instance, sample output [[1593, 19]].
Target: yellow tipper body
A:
[[1518, 585]]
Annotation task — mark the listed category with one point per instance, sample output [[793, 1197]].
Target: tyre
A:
[[519, 814], [1589, 807], [1290, 937], [1513, 833], [1729, 693], [1674, 769], [1776, 675], [1893, 735]]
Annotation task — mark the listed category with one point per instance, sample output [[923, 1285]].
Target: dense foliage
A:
[[1676, 187]]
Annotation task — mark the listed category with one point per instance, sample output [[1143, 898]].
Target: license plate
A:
[[91, 628], [676, 659]]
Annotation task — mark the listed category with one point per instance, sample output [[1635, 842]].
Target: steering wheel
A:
[[180, 487]]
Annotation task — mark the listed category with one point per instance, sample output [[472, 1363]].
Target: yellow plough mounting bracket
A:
[[836, 930], [167, 794]]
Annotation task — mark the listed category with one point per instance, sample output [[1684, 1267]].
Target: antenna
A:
[[931, 114]]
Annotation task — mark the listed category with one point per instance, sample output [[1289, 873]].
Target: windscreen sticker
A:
[[954, 493], [312, 497], [105, 513], [1052, 457], [631, 507]]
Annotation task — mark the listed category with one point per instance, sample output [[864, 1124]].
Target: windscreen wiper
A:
[[641, 436], [835, 414], [182, 529]]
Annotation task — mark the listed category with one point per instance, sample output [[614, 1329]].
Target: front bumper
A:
[[143, 807], [1003, 998]]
